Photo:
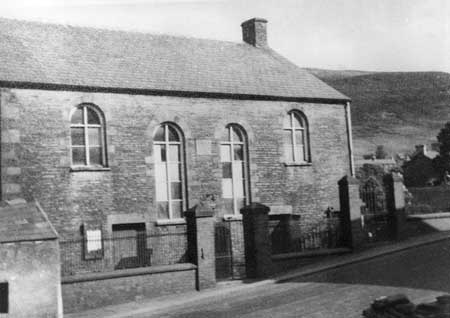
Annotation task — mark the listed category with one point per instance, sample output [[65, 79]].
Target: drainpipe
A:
[[348, 120]]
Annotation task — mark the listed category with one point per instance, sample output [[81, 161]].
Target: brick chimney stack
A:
[[254, 32]]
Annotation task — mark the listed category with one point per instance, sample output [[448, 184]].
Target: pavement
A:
[[283, 295]]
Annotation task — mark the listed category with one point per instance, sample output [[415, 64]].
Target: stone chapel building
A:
[[117, 130]]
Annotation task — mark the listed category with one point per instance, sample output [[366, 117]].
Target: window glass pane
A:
[[226, 170], [238, 184], [77, 116], [160, 173], [225, 153], [95, 156], [163, 210], [288, 146], [92, 117], [299, 137], [159, 134], [77, 135], [238, 188], [300, 155], [174, 153], [175, 188], [237, 134], [228, 206], [177, 209], [78, 156], [160, 153], [161, 191], [298, 121], [227, 191], [238, 152], [174, 171], [94, 136], [173, 134], [237, 170]]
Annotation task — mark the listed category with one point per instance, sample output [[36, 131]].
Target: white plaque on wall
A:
[[203, 147]]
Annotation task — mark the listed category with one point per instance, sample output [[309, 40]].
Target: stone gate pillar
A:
[[201, 248], [396, 204], [351, 204], [258, 255]]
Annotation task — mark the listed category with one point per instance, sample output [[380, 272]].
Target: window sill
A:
[[297, 164], [162, 222], [232, 217], [88, 168]]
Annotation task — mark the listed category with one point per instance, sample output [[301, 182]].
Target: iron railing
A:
[[322, 236], [89, 255]]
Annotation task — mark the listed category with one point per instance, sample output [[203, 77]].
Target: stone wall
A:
[[36, 154], [31, 270], [96, 290]]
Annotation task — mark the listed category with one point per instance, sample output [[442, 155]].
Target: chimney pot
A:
[[254, 32]]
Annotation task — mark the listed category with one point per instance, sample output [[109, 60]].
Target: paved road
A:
[[339, 293], [426, 267]]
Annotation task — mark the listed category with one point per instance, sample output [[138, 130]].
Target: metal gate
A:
[[224, 257], [376, 220]]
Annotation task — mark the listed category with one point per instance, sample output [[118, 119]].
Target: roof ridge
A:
[[117, 30]]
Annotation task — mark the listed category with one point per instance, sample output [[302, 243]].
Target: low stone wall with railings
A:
[[98, 271], [97, 255], [296, 244], [290, 235]]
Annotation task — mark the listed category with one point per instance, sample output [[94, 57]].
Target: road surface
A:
[[421, 272]]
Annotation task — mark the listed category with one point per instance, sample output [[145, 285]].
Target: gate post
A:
[[237, 247], [201, 248], [258, 258], [397, 203], [351, 204]]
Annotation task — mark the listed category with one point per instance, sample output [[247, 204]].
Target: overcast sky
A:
[[378, 35]]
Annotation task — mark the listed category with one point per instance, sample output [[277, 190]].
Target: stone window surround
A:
[[243, 142], [180, 142], [85, 125], [296, 115]]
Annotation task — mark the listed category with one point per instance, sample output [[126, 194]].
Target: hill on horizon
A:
[[396, 109]]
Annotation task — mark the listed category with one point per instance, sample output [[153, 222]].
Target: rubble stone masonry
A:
[[35, 154]]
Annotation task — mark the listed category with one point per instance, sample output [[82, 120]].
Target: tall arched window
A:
[[233, 156], [168, 147], [87, 131], [296, 138]]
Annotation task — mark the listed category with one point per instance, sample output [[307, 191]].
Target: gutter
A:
[[162, 92], [349, 138]]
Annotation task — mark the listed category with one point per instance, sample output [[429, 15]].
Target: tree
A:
[[381, 153], [442, 161]]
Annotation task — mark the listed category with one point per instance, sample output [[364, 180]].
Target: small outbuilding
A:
[[29, 262]]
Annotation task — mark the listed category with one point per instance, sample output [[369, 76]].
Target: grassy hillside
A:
[[398, 110]]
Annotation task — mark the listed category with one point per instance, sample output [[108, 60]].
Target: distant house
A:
[[419, 170], [386, 164]]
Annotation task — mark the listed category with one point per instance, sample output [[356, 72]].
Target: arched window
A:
[[296, 138], [168, 147], [233, 156], [87, 131]]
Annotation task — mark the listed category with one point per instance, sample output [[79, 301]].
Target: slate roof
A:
[[24, 222], [32, 52]]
